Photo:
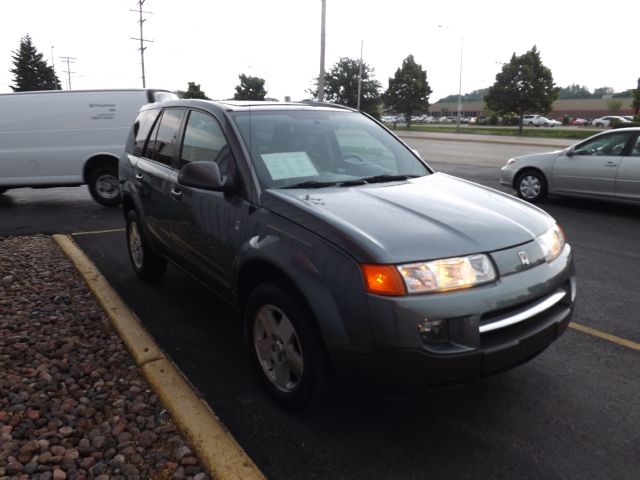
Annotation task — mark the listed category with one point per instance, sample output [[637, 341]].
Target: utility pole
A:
[[141, 39], [68, 71], [322, 37]]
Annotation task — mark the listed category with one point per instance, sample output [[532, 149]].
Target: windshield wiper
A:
[[311, 184], [387, 178]]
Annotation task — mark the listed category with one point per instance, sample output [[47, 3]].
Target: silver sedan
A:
[[606, 165]]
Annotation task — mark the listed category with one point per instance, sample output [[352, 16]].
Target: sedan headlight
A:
[[447, 274], [552, 242]]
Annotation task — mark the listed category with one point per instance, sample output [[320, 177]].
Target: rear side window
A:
[[164, 138], [141, 129]]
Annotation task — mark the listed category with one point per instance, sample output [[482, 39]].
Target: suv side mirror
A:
[[204, 175]]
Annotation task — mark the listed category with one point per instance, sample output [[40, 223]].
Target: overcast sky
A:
[[211, 42]]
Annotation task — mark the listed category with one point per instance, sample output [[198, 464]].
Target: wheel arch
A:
[[527, 169], [99, 160]]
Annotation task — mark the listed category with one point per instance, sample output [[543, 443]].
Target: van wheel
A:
[[286, 348], [104, 186], [147, 264], [531, 186]]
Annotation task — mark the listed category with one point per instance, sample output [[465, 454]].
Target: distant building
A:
[[574, 108]]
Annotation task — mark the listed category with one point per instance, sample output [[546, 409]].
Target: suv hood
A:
[[435, 216]]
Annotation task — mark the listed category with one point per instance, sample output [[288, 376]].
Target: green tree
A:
[[474, 96], [30, 71], [636, 100], [193, 91], [574, 91], [408, 91], [602, 91], [250, 88], [614, 106], [524, 85], [341, 86]]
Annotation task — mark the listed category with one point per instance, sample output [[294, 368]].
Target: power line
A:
[[68, 71], [141, 39]]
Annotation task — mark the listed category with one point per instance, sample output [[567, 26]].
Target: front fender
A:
[[328, 279]]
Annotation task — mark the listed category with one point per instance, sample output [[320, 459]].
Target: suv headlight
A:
[[552, 242], [447, 274]]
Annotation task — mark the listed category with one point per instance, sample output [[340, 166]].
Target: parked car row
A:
[[539, 121], [609, 120]]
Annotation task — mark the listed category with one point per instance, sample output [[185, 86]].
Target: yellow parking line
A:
[[605, 336], [94, 232]]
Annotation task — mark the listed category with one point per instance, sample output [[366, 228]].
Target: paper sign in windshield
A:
[[289, 165]]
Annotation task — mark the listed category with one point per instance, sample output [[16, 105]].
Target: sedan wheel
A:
[[531, 186]]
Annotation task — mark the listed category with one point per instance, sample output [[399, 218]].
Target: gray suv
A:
[[350, 258]]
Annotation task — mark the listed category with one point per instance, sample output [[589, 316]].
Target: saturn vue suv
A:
[[352, 261]]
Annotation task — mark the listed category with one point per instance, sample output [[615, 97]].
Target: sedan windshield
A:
[[315, 148]]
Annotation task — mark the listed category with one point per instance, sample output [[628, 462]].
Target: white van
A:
[[68, 137]]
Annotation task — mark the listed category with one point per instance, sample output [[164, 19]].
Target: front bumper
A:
[[485, 330], [506, 176]]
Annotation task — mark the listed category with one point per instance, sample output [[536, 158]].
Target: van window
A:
[[164, 139], [204, 141], [141, 129]]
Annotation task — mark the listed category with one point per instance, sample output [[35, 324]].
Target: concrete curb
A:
[[220, 454]]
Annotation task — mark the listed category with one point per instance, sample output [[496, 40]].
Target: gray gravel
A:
[[73, 404]]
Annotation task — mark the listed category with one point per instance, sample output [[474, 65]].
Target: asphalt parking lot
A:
[[572, 412]]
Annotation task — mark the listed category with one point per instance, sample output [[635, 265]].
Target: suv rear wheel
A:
[[104, 186], [147, 264], [286, 348]]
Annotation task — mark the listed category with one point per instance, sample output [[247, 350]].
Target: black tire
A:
[[294, 370], [147, 264], [2, 190], [531, 185], [104, 186]]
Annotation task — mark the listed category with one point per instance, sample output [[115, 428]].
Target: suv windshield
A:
[[314, 148]]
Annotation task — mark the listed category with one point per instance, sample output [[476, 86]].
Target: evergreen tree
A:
[[30, 71]]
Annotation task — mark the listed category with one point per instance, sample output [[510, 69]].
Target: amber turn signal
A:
[[383, 280]]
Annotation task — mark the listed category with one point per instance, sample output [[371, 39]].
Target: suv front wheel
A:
[[286, 348]]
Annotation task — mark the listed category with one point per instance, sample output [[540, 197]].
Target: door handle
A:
[[611, 164], [176, 194]]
